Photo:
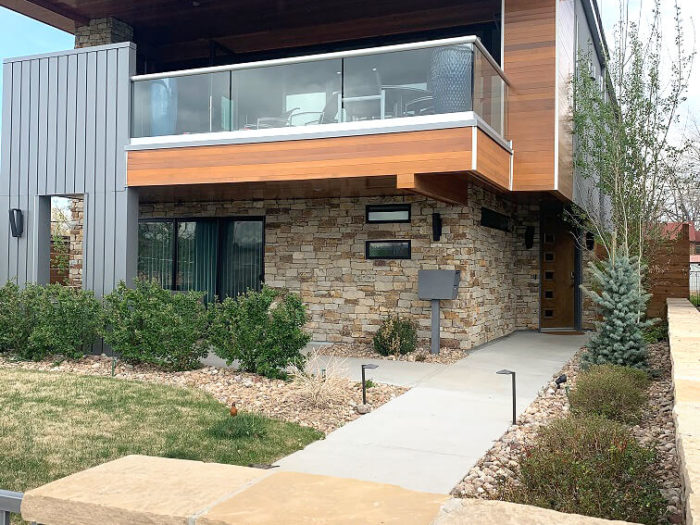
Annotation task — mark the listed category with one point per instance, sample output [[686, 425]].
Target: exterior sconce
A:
[[529, 237], [16, 222], [437, 226], [590, 241]]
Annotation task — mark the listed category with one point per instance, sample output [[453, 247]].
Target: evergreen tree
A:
[[618, 339]]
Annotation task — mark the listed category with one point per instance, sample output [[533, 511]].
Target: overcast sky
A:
[[690, 11]]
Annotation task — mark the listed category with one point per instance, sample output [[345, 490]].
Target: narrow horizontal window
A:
[[493, 219], [388, 249], [382, 213]]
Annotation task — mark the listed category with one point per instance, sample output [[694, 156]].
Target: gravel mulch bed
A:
[[446, 356], [656, 429], [277, 399]]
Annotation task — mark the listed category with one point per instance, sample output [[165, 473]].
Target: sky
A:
[[690, 12], [20, 35]]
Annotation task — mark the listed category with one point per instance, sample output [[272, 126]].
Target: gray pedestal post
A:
[[435, 327]]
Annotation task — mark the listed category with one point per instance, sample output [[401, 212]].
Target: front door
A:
[[557, 273]]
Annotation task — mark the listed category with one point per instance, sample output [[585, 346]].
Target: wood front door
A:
[[557, 273]]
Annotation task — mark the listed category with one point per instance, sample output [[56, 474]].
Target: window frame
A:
[[174, 223], [369, 208], [400, 258]]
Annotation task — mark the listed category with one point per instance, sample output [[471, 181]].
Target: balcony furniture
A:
[[401, 99], [420, 106], [276, 122], [450, 78], [363, 96], [328, 115]]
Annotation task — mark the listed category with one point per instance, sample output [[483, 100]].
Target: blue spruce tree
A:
[[621, 303]]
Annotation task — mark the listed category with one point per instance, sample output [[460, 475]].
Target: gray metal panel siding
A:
[[65, 126], [5, 144]]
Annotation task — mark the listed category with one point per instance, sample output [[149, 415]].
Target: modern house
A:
[[331, 147]]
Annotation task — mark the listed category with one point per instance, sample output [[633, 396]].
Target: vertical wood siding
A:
[[65, 122]]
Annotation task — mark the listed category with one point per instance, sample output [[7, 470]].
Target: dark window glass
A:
[[242, 257], [549, 294], [382, 213], [220, 257], [388, 249], [549, 313], [493, 219], [155, 261], [549, 276]]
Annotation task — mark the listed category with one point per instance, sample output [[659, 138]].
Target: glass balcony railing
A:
[[431, 78]]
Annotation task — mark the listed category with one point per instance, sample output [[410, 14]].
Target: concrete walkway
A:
[[429, 438]]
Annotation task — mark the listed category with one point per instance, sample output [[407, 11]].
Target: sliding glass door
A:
[[241, 257], [220, 257]]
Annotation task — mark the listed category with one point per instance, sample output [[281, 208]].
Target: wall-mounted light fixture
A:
[[16, 222], [529, 237], [590, 241], [437, 226]]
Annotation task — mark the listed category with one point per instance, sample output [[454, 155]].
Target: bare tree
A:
[[623, 127], [683, 199]]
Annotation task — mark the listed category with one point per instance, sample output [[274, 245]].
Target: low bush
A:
[[147, 324], [612, 391], [66, 321], [15, 325], [320, 382], [40, 320], [262, 331], [592, 466], [396, 336], [656, 332]]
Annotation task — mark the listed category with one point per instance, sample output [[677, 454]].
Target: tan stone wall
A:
[[101, 31], [75, 243], [317, 248]]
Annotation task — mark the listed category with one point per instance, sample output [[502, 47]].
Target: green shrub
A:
[[592, 466], [620, 301], [262, 330], [656, 332], [396, 336], [15, 324], [615, 392], [66, 321], [40, 320], [147, 324]]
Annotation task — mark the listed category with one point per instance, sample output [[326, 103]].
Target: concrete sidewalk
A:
[[429, 438]]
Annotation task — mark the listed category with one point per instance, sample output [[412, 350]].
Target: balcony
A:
[[432, 103]]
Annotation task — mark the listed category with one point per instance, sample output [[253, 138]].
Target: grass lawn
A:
[[52, 425]]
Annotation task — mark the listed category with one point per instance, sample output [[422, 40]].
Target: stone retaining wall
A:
[[684, 339], [316, 247]]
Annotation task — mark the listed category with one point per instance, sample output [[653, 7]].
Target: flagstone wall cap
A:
[[137, 489], [291, 498], [684, 341], [490, 512]]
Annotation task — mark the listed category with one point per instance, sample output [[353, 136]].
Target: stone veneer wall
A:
[[75, 246], [102, 31], [317, 248]]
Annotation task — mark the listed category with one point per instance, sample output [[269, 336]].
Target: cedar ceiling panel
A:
[[167, 21]]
